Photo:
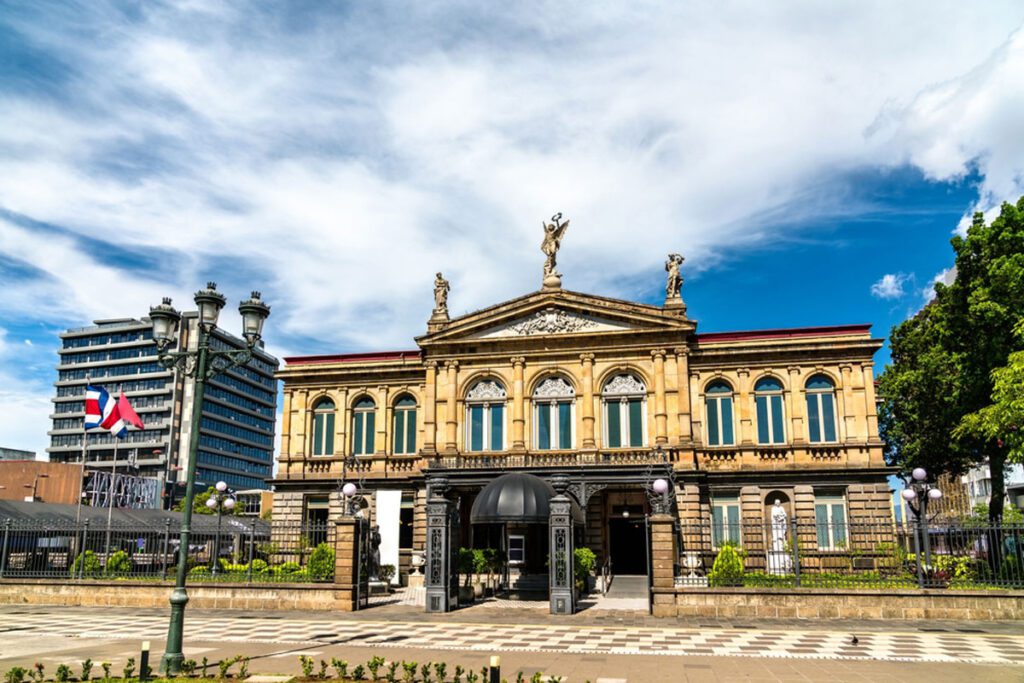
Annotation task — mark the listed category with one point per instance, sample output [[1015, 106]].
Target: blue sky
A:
[[810, 160]]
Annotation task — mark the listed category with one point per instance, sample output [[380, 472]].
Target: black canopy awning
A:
[[517, 497]]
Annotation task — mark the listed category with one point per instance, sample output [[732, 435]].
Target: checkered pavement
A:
[[568, 638]]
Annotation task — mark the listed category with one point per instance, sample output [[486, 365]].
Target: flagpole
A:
[[113, 476], [85, 452]]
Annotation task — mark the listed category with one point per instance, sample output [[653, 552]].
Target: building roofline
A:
[[353, 357], [784, 333]]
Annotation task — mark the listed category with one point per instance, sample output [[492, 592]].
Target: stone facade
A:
[[594, 346]]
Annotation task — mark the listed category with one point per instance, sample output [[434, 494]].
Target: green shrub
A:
[[129, 667], [15, 674], [340, 667], [728, 567], [288, 568], [38, 673], [63, 673], [118, 563], [584, 561], [387, 572], [465, 564], [258, 566], [307, 666], [86, 670], [321, 562], [199, 570], [92, 564], [374, 665], [188, 667], [479, 561]]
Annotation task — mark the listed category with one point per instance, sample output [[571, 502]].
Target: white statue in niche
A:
[[779, 561]]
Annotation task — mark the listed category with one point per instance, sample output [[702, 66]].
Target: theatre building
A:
[[608, 393]]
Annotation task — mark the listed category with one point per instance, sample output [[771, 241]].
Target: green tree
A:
[[945, 360], [199, 506]]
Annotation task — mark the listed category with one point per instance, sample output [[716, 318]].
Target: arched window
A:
[[821, 409], [323, 427], [364, 413], [768, 400], [553, 414], [404, 428], [624, 397], [485, 416], [718, 408]]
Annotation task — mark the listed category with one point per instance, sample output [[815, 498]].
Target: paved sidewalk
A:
[[579, 648]]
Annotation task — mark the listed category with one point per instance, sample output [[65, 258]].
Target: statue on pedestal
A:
[[674, 283], [374, 564], [553, 233], [441, 288], [779, 561]]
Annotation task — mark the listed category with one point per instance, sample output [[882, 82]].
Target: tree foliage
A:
[[949, 392], [199, 506]]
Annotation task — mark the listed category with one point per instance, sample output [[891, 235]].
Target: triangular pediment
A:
[[558, 314]]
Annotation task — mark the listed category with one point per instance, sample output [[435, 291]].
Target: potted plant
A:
[[465, 569], [479, 569]]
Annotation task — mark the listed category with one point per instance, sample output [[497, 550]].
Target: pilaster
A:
[[797, 407], [745, 406], [451, 431], [587, 405], [660, 412], [682, 354], [518, 409], [430, 408]]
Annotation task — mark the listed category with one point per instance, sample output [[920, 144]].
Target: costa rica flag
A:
[[101, 412]]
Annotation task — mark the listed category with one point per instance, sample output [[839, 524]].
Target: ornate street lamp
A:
[[223, 499], [918, 489], [202, 364]]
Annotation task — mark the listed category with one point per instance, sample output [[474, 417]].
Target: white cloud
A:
[[890, 286], [26, 403], [337, 163], [945, 277]]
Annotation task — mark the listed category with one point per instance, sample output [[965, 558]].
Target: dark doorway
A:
[[628, 547]]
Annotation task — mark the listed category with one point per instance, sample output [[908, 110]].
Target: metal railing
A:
[[644, 456], [244, 550], [828, 554]]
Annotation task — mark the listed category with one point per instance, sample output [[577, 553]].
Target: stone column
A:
[[430, 409], [683, 378], [301, 398], [871, 410], [664, 555], [439, 552], [587, 404], [346, 562], [451, 443], [798, 408], [340, 423], [286, 427], [560, 549], [660, 411], [848, 420], [745, 406], [518, 413], [380, 439]]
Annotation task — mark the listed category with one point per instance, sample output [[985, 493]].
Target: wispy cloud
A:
[[890, 286]]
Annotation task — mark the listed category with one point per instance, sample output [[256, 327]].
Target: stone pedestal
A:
[[561, 582], [346, 563], [441, 580]]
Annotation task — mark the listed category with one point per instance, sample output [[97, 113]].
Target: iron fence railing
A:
[[824, 553], [243, 550]]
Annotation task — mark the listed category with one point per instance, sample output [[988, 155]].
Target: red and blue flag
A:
[[103, 412]]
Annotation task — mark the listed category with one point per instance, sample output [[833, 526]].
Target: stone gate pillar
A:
[[346, 562], [562, 584], [440, 571]]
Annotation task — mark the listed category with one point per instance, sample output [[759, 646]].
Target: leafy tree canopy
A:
[[949, 396], [199, 506]]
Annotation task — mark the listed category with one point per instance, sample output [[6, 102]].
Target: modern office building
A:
[[16, 454], [236, 440]]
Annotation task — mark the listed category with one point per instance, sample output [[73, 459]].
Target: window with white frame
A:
[[624, 398], [725, 521], [718, 414], [403, 431], [771, 427], [323, 427], [821, 409], [485, 416], [553, 414], [516, 549], [364, 415], [830, 522]]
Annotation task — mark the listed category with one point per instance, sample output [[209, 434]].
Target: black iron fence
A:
[[244, 550], [826, 553]]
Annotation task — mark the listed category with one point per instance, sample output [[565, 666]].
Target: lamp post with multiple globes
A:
[[223, 499], [918, 492], [202, 363]]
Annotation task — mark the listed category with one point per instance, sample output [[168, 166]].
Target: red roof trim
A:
[[785, 333], [353, 357]]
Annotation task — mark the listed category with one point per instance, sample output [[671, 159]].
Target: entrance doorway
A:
[[627, 545]]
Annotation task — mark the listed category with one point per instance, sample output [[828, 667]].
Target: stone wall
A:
[[147, 594], [728, 603]]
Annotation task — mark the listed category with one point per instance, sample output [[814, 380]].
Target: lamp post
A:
[[223, 500], [201, 364], [918, 489]]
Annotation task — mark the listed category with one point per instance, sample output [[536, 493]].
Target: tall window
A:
[[768, 400], [821, 411], [718, 407], [623, 398], [404, 428], [364, 413], [323, 427], [553, 414], [485, 416], [725, 521], [830, 522]]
